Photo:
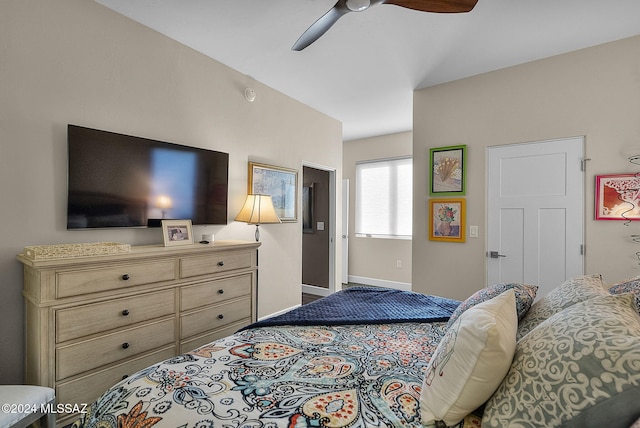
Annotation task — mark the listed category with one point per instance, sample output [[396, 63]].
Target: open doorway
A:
[[318, 230]]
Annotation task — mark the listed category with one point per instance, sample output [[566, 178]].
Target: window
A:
[[384, 193]]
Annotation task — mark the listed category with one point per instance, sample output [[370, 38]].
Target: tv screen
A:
[[118, 180]]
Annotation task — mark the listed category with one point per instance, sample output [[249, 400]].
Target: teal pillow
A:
[[579, 368]]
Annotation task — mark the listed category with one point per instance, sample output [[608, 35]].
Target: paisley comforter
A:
[[361, 366], [285, 376]]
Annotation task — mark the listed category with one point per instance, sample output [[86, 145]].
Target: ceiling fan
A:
[[342, 7]]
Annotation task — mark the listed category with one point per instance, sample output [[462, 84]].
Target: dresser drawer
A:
[[214, 263], [109, 348], [94, 280], [214, 317], [84, 320], [86, 389], [210, 292]]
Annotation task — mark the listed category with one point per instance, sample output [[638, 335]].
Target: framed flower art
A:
[[447, 171], [447, 219]]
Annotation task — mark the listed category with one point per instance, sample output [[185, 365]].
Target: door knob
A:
[[495, 254]]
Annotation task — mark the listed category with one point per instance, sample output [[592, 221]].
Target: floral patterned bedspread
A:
[[287, 376]]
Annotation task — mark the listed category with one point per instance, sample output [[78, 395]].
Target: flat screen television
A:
[[117, 180]]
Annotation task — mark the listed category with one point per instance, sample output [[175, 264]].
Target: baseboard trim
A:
[[279, 312], [404, 286], [315, 290]]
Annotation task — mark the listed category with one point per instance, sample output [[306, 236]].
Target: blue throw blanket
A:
[[366, 305]]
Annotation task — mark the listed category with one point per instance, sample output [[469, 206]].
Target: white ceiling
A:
[[364, 69]]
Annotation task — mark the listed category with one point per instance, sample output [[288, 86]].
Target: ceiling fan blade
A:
[[321, 26], [438, 6]]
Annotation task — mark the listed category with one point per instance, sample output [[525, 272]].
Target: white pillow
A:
[[471, 360]]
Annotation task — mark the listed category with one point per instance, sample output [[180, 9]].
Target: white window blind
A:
[[384, 193]]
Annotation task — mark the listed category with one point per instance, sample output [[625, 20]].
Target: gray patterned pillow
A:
[[628, 286], [570, 292], [579, 368], [525, 295]]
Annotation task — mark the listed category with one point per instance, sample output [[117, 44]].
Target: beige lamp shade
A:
[[258, 209]]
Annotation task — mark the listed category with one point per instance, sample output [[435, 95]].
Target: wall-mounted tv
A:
[[117, 180]]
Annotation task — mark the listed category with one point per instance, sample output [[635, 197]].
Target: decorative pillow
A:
[[525, 295], [470, 361], [628, 286], [579, 368], [570, 292]]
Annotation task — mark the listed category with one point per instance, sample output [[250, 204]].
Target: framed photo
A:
[[618, 197], [447, 219], [177, 232], [281, 184], [447, 170]]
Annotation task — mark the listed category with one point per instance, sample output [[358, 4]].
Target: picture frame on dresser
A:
[[177, 232]]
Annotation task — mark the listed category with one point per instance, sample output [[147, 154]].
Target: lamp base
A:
[[257, 234]]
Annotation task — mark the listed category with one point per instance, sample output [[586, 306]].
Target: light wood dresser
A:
[[92, 321]]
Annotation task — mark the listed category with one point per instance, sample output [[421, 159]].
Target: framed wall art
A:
[[281, 184], [447, 170], [447, 219], [618, 197], [177, 232]]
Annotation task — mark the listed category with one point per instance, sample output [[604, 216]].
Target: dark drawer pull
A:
[[221, 263], [125, 277], [125, 376], [125, 345], [221, 291], [125, 312], [220, 316]]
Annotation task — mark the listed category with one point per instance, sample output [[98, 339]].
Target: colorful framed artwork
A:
[[177, 232], [281, 184], [447, 219], [618, 197], [447, 170]]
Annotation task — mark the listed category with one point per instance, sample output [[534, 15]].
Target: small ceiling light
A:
[[250, 94]]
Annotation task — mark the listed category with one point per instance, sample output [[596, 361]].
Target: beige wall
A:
[[593, 92], [74, 61], [375, 258]]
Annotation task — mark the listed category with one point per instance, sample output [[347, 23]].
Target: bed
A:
[[327, 364]]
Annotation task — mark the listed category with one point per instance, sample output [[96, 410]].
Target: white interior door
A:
[[535, 211]]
